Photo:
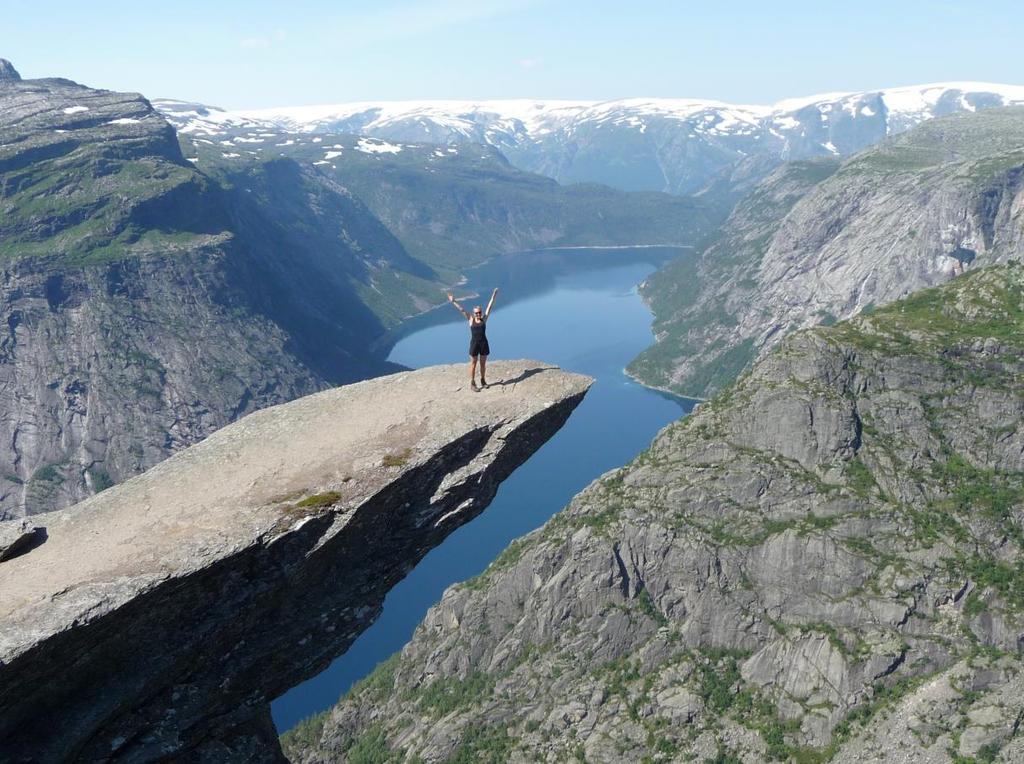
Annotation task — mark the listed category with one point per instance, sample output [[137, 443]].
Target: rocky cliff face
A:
[[695, 297], [148, 297], [7, 71], [815, 244], [145, 305], [156, 620], [826, 562]]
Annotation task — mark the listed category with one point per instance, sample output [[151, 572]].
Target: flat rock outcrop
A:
[[156, 619]]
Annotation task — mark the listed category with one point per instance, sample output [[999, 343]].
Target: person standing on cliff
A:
[[478, 347]]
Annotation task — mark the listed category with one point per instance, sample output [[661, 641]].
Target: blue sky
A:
[[255, 54]]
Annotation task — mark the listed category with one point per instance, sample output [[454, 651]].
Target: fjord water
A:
[[578, 309]]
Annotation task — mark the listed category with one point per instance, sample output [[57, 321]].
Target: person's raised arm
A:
[[458, 307], [490, 303]]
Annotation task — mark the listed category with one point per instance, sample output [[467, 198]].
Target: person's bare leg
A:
[[472, 371], [483, 371]]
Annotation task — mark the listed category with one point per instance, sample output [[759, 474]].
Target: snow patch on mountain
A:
[[530, 119], [377, 147], [677, 145]]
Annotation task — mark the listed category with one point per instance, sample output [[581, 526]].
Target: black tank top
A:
[[478, 329]]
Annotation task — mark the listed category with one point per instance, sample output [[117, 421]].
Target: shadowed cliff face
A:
[[825, 561], [143, 305], [157, 619]]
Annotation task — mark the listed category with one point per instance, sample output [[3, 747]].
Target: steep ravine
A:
[[156, 620], [825, 562], [454, 208]]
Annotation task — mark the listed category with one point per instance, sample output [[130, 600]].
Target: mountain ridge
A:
[[823, 239], [7, 72], [535, 112], [673, 145]]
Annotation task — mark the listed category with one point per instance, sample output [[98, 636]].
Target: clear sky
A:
[[291, 52]]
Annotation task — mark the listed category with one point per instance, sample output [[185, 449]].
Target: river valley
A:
[[578, 309]]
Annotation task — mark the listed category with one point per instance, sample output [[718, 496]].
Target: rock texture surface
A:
[[15, 537], [824, 562], [813, 243], [158, 619], [7, 71]]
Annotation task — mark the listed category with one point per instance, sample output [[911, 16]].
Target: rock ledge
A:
[[159, 617]]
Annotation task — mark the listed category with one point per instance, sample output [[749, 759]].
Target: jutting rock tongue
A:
[[157, 619], [7, 71]]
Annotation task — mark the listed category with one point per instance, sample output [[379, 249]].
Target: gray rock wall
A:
[[795, 571], [143, 305], [890, 221]]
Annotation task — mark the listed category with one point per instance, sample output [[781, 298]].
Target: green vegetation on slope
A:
[[453, 209], [93, 204], [759, 584], [696, 296], [841, 238]]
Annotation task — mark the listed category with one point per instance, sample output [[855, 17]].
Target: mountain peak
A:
[[7, 72]]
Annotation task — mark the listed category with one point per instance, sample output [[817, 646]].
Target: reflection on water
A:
[[579, 310]]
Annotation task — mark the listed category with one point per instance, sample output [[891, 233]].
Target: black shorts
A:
[[479, 347]]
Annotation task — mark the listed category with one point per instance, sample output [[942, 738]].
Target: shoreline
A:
[[635, 378], [664, 390], [600, 246]]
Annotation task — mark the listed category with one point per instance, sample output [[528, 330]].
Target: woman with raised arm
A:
[[478, 347]]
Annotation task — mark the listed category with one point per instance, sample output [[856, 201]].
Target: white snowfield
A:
[[545, 135], [197, 119], [533, 118], [377, 147]]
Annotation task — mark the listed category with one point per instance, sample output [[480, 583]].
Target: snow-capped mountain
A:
[[675, 145]]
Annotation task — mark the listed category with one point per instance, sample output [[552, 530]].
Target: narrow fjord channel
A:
[[578, 309]]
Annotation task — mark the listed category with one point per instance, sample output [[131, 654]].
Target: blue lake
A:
[[578, 309]]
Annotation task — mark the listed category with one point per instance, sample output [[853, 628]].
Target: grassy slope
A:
[[92, 204]]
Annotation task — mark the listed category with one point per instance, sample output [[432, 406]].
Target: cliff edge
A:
[[159, 617]]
